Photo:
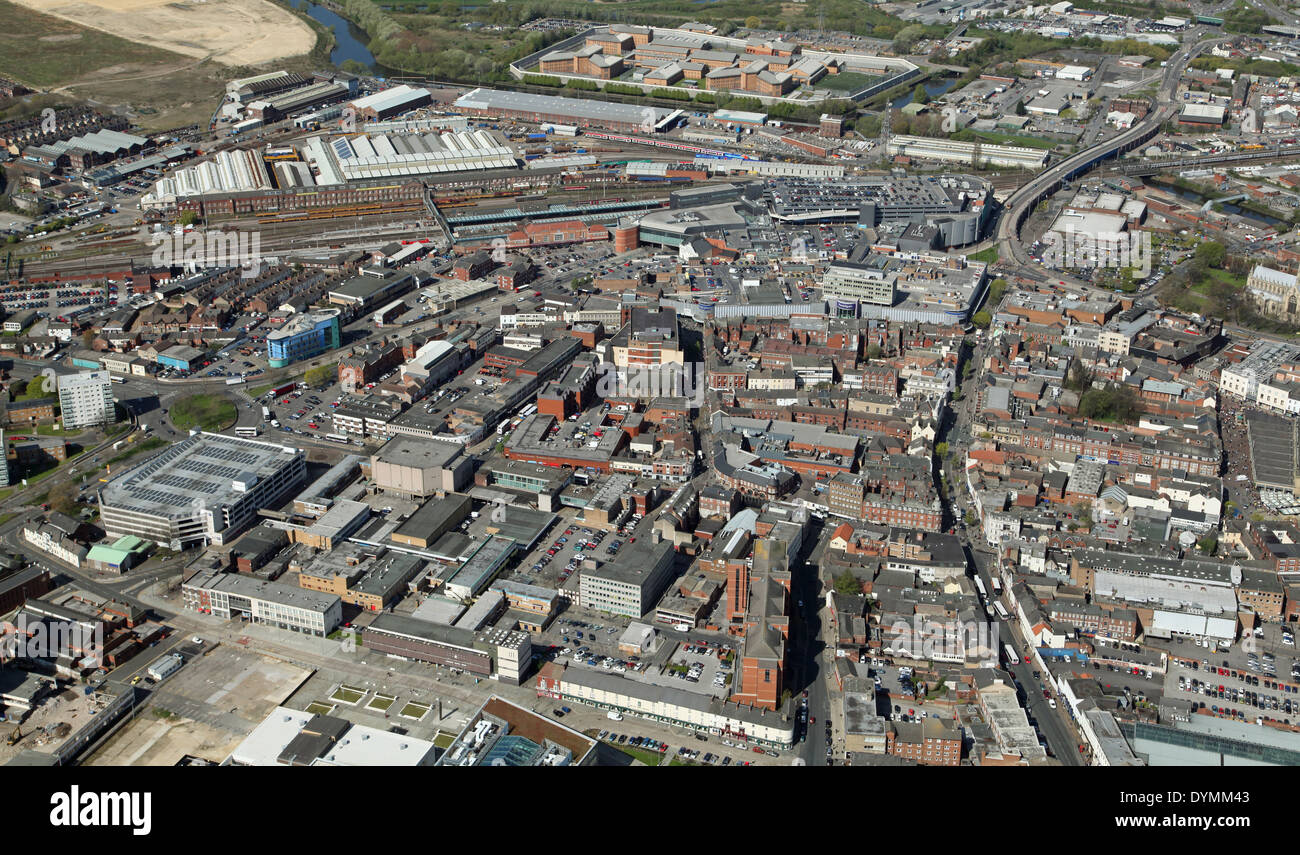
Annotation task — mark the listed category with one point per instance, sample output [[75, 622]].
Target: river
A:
[[349, 42], [1226, 207], [933, 88]]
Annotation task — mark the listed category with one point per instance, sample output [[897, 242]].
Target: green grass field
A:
[[54, 430], [846, 81], [650, 758], [138, 448], [44, 51], [381, 703], [206, 412], [347, 695]]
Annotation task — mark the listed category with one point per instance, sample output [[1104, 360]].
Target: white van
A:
[[614, 716]]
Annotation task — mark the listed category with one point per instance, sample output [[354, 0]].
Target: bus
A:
[[266, 414], [1001, 610], [997, 585], [248, 431], [979, 586], [501, 428], [337, 437], [119, 379], [1012, 658]]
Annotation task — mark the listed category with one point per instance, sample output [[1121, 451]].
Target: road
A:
[[1054, 725], [1020, 204]]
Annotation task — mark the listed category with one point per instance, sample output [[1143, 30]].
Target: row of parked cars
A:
[[632, 741]]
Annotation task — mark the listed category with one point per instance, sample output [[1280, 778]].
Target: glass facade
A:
[[302, 338]]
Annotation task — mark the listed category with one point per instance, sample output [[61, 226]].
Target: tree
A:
[[1208, 544], [1211, 254], [941, 449], [919, 95], [88, 338], [1080, 377], [1114, 403], [982, 319], [63, 499], [971, 519], [873, 351], [907, 39], [188, 218], [321, 374], [847, 584], [17, 388], [753, 22]]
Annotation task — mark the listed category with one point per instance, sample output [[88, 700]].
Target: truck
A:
[[283, 390], [234, 381]]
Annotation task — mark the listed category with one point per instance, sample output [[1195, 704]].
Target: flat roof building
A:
[[205, 489], [505, 653], [86, 399], [416, 467], [234, 595], [303, 336], [289, 737], [633, 582], [553, 108]]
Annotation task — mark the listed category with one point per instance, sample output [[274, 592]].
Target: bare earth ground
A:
[[231, 32], [205, 709], [148, 741]]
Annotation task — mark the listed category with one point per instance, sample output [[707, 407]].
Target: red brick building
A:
[[930, 742]]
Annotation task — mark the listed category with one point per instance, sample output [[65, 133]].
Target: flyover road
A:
[[1021, 203]]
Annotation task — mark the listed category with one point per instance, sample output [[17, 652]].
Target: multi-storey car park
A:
[[960, 205], [205, 489]]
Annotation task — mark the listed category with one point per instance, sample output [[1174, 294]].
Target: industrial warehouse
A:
[[336, 162], [584, 113]]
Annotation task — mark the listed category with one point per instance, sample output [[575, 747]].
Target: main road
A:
[[1021, 203]]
